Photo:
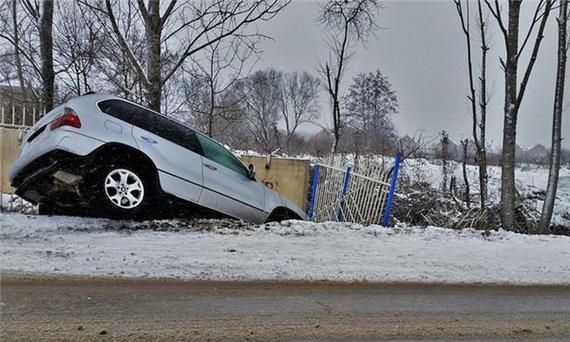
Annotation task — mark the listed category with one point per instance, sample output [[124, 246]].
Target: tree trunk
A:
[[46, 51], [17, 57], [212, 107], [336, 118], [482, 147], [508, 189], [153, 30], [444, 159], [550, 198], [465, 144]]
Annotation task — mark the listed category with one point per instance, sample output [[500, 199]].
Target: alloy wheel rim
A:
[[124, 189]]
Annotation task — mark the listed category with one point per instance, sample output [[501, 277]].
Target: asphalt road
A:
[[62, 309]]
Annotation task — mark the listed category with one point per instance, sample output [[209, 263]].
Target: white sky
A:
[[422, 52]]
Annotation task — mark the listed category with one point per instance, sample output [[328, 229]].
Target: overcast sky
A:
[[422, 51]]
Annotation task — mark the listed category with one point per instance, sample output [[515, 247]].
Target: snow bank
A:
[[228, 250], [13, 203]]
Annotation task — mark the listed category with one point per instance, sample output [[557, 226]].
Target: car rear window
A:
[[119, 109]]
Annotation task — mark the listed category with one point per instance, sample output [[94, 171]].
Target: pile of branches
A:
[[419, 204], [528, 214], [425, 206]]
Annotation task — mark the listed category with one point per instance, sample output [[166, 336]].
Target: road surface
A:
[[61, 309]]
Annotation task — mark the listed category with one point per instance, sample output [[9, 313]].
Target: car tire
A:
[[282, 214], [123, 191], [48, 209]]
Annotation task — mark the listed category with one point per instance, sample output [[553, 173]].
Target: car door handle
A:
[[211, 167], [148, 139]]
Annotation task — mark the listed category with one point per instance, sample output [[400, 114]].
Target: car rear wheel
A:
[[123, 191]]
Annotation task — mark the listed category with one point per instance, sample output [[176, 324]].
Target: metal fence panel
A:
[[355, 194]]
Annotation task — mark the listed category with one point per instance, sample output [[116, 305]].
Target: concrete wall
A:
[[9, 150], [289, 177]]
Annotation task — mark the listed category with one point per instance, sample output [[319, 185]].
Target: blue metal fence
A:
[[353, 193]]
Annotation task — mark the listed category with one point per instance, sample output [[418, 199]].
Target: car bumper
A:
[[36, 182], [62, 140]]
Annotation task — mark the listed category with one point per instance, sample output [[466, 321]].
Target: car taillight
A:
[[68, 118]]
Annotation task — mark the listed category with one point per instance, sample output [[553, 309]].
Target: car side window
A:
[[219, 154], [175, 132], [152, 122]]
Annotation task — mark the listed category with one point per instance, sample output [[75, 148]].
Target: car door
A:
[[175, 151], [227, 187]]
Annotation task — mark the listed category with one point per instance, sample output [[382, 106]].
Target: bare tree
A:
[[19, 27], [112, 63], [219, 67], [180, 30], [349, 22], [42, 17], [478, 103], [319, 144], [514, 93], [299, 102], [563, 44], [261, 94], [76, 47], [16, 42]]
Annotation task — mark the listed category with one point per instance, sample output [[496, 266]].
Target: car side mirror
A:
[[251, 171]]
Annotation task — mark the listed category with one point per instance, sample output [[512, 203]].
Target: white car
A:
[[110, 157]]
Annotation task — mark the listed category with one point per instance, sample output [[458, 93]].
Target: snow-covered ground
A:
[[293, 250]]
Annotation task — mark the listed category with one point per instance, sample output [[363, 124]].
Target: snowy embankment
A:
[[227, 250]]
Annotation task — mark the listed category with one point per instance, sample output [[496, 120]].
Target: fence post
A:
[[314, 188], [393, 183], [342, 194]]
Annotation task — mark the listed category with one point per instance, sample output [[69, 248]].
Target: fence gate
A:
[[356, 193]]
